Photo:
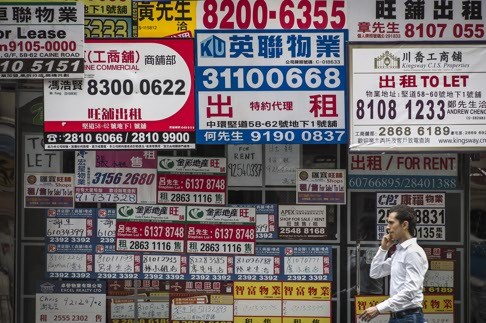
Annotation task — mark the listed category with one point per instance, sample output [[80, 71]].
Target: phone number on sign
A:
[[401, 183], [221, 247], [105, 197], [290, 14], [148, 245], [120, 178]]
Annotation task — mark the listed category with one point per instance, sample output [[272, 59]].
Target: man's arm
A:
[[416, 268], [380, 266]]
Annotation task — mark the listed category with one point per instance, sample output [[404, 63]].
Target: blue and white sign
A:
[[259, 87]]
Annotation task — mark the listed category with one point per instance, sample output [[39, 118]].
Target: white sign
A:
[[245, 165], [371, 20], [36, 159], [418, 98], [281, 162]]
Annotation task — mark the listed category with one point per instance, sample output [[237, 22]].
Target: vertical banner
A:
[[321, 186], [261, 86], [41, 41], [417, 98], [137, 94], [70, 301], [115, 176]]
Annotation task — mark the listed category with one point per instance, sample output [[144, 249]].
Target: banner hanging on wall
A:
[[136, 94], [418, 98]]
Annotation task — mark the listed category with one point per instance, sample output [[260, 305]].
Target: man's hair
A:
[[405, 213]]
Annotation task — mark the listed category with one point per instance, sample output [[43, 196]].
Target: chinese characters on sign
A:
[[321, 186]]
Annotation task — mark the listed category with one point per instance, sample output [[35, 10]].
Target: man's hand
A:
[[369, 314], [386, 242]]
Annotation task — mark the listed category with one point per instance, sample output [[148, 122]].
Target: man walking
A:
[[407, 268]]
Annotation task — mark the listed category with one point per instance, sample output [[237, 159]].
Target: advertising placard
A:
[[117, 266], [41, 41], [69, 265], [379, 21], [439, 278], [281, 163], [150, 228], [429, 213], [220, 230], [321, 186], [191, 165], [264, 266], [70, 301], [211, 267], [201, 301], [261, 87], [245, 165], [266, 220], [269, 14], [420, 98], [115, 176], [309, 263], [403, 171], [159, 19], [44, 190], [191, 189], [137, 94], [36, 159], [307, 222], [170, 267]]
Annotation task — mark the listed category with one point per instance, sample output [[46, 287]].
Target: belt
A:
[[408, 311]]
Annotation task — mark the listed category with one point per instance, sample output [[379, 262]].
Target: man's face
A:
[[395, 228]]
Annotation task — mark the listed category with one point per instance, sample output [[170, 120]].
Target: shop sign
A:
[[261, 87], [429, 213], [269, 14], [321, 186], [115, 176], [394, 21], [418, 98], [220, 230], [211, 267], [303, 222], [130, 98], [161, 19], [41, 41], [117, 266], [403, 171], [70, 301], [43, 190]]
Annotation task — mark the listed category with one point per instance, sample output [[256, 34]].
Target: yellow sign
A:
[[258, 290], [258, 319], [307, 290], [363, 302], [433, 304], [307, 320], [445, 265], [112, 8], [164, 19]]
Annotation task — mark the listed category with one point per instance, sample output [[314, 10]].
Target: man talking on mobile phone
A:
[[407, 267]]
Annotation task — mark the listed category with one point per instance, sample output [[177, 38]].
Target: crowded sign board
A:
[[115, 176], [261, 87], [321, 186], [418, 98], [403, 171], [70, 301], [41, 41], [137, 94], [429, 213], [379, 20]]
